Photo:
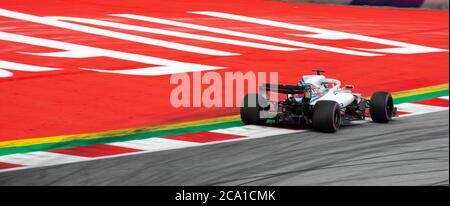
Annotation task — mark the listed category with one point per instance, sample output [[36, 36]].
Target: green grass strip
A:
[[421, 97], [137, 136]]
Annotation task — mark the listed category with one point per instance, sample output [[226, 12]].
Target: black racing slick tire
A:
[[326, 116], [250, 109], [381, 107]]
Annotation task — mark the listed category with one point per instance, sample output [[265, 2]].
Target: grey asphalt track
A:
[[408, 151]]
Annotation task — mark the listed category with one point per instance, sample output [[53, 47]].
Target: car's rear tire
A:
[[381, 107], [326, 116], [250, 109]]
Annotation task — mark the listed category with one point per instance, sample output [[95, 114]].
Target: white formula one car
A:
[[318, 102]]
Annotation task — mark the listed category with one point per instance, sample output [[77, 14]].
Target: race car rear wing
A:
[[282, 88]]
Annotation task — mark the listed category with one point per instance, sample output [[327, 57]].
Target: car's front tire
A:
[[250, 109], [381, 107], [326, 116]]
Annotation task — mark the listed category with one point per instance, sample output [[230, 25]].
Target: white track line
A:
[[21, 67], [165, 67], [397, 47], [40, 158], [155, 144], [416, 109], [174, 33], [254, 131], [113, 34], [245, 35]]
